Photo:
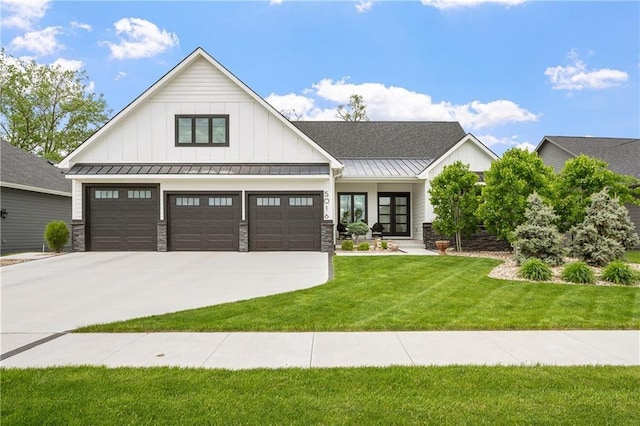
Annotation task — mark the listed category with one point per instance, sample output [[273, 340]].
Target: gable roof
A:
[[384, 139], [22, 170], [163, 81], [622, 154]]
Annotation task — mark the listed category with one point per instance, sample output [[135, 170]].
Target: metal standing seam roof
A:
[[383, 167], [201, 169]]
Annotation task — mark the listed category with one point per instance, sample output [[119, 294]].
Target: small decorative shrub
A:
[[535, 270], [57, 235], [358, 229], [347, 245], [384, 245], [619, 272], [579, 273], [363, 247]]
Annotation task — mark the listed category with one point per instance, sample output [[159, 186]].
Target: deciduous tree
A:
[[454, 197], [509, 181], [47, 110], [355, 111]]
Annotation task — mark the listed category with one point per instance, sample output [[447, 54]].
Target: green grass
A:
[[633, 256], [395, 395], [411, 293]]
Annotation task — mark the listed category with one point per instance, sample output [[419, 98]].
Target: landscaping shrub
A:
[[384, 245], [619, 272], [358, 229], [57, 235], [535, 270], [347, 245], [579, 273], [363, 247], [538, 237], [605, 233]]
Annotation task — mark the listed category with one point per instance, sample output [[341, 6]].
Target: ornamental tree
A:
[[455, 197], [509, 181], [46, 110], [538, 237], [606, 232], [583, 176], [355, 111]]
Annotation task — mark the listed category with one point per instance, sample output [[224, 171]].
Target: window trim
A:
[[193, 118]]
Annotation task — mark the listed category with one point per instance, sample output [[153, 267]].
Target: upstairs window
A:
[[202, 130]]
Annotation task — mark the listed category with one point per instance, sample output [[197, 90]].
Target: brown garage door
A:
[[284, 222], [122, 218], [201, 222]]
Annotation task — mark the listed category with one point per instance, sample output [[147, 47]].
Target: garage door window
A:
[[221, 201], [301, 201], [187, 201], [139, 193], [106, 193], [268, 201]]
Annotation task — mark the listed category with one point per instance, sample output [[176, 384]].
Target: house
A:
[[199, 161], [622, 155], [33, 192]]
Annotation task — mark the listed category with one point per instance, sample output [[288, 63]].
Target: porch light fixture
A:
[[3, 213]]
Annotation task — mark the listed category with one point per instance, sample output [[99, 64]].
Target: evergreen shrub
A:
[[57, 235], [363, 247], [347, 245]]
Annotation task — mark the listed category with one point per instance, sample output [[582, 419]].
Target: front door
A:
[[393, 213]]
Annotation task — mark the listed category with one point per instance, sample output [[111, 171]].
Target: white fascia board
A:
[[67, 162], [468, 137], [34, 189]]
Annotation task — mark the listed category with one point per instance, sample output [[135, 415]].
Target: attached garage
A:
[[122, 218], [202, 222], [285, 222]]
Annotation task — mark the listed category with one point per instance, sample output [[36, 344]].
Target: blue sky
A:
[[511, 71]]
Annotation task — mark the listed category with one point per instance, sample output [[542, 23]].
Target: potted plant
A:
[[442, 246]]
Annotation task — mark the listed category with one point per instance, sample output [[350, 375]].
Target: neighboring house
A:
[[33, 192], [622, 155], [201, 162]]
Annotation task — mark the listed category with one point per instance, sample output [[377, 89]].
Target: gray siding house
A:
[[622, 155], [33, 192]]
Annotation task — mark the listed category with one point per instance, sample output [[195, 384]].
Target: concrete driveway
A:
[[61, 293]]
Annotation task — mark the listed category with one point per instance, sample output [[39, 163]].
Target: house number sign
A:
[[326, 204]]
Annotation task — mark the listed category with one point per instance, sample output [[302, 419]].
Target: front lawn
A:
[[411, 293], [633, 256], [395, 395]]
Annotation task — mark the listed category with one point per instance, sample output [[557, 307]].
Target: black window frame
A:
[[352, 213], [193, 118]]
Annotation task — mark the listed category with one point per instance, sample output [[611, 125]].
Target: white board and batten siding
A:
[[147, 133]]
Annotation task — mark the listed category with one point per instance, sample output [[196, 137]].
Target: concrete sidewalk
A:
[[305, 350]]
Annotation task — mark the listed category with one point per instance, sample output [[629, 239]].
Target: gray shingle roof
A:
[[201, 169], [383, 139], [622, 154], [23, 168]]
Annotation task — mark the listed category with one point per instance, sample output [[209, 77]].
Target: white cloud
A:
[[451, 4], [68, 64], [397, 103], [42, 42], [23, 13], [140, 39], [275, 1], [81, 25], [120, 75], [363, 6], [503, 143], [576, 76]]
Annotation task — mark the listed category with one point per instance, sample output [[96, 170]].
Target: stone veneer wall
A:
[[479, 241], [162, 236], [326, 235], [77, 235], [244, 236]]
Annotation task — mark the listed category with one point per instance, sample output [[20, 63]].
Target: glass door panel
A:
[[393, 213]]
